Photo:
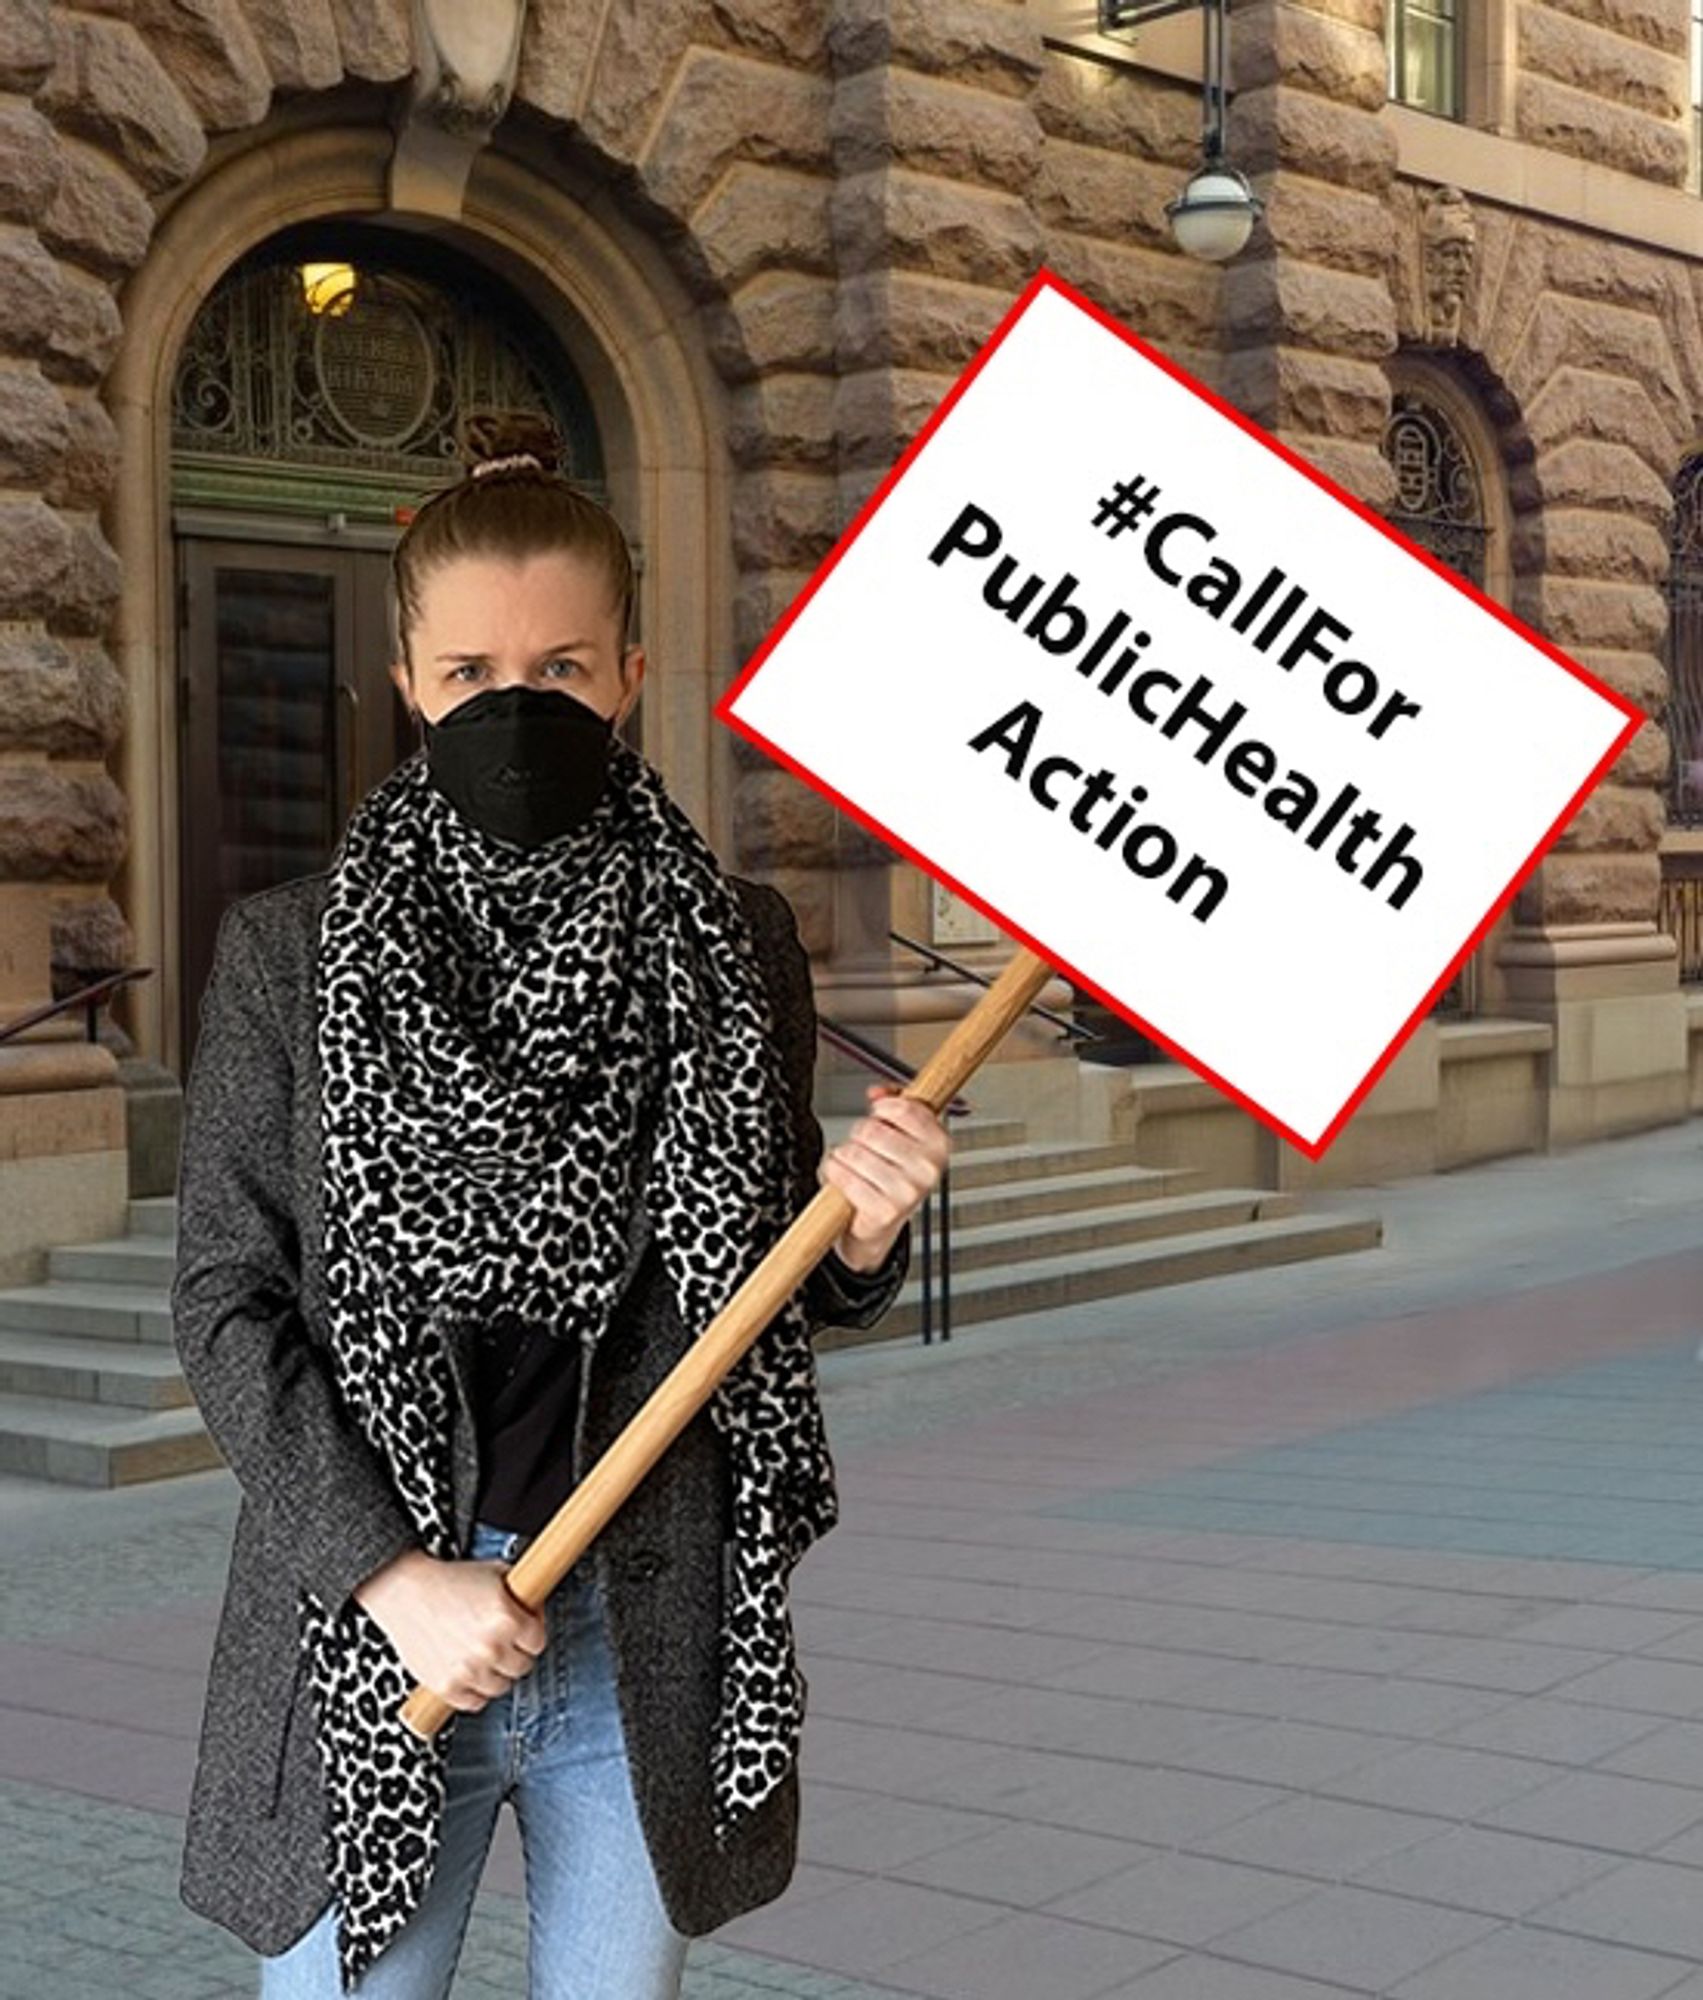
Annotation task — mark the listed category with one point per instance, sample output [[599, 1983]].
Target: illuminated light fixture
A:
[[328, 288], [1215, 214]]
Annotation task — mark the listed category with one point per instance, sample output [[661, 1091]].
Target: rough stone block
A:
[[761, 218], [109, 88], [988, 46], [782, 517], [98, 216], [895, 117], [916, 222], [1273, 128], [1547, 113], [1306, 51], [31, 162], [909, 320], [725, 107], [213, 56], [1598, 59], [780, 319], [376, 38], [34, 426], [59, 822], [298, 39], [783, 418]]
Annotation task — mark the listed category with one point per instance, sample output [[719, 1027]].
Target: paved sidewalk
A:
[[1329, 1630]]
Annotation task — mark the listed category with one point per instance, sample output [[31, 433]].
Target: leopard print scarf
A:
[[495, 1023]]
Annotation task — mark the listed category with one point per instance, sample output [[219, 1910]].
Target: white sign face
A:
[[1179, 713]]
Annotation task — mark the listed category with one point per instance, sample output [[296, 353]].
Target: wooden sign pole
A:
[[674, 1402]]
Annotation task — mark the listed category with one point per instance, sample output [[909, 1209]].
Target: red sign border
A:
[[1044, 278]]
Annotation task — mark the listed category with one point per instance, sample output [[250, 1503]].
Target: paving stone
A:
[[1357, 1937], [863, 1929], [1598, 1809], [1474, 1868], [871, 1838], [1321, 1837], [1519, 1964], [1439, 1778], [1183, 1899], [1023, 1864], [1651, 1904], [1198, 1977], [1556, 1731], [1024, 1954]]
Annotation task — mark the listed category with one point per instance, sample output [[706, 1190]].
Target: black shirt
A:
[[526, 1401]]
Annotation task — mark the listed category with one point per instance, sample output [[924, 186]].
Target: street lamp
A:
[[1215, 213]]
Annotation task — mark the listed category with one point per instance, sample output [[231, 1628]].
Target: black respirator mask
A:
[[521, 763]]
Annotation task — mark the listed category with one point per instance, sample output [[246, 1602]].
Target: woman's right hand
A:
[[458, 1627]]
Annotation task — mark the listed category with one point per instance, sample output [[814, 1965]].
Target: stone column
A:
[[75, 221], [1309, 321], [1584, 953], [934, 151]]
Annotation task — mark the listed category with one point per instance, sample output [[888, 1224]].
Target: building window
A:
[[1425, 40]]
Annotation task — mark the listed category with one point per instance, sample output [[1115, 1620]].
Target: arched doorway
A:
[[319, 395], [1680, 910], [1449, 501]]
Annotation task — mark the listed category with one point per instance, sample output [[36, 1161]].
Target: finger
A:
[[878, 1191], [910, 1114], [917, 1154]]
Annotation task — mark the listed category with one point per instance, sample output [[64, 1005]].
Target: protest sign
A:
[[1178, 712]]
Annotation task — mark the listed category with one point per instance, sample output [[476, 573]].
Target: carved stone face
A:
[[1451, 259], [1448, 239]]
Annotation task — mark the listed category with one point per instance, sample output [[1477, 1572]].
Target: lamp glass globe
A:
[[1214, 215]]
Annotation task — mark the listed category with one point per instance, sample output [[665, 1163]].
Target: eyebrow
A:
[[549, 652]]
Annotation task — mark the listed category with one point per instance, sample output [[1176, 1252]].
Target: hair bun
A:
[[492, 440]]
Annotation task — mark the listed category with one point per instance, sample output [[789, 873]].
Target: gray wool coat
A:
[[317, 1502]]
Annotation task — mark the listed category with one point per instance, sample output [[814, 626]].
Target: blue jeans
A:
[[554, 1745]]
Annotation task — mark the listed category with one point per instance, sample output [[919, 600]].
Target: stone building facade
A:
[[762, 237]]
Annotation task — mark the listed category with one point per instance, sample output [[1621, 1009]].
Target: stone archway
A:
[[1587, 400], [658, 406]]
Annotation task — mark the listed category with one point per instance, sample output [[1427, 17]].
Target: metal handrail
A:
[[89, 996], [1062, 1022], [864, 1049]]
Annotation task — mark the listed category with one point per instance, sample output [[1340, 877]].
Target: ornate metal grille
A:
[[356, 406], [1439, 503], [1684, 650]]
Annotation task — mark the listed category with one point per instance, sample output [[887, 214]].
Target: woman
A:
[[486, 1122]]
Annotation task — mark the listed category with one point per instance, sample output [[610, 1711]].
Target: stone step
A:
[[1099, 1189], [103, 1312], [1035, 1159], [92, 1394], [75, 1443], [970, 1134], [1019, 1241], [133, 1374], [115, 1260], [1045, 1284], [153, 1215]]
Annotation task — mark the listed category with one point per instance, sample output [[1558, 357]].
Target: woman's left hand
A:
[[888, 1164]]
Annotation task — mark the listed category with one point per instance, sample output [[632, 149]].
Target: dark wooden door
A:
[[287, 717]]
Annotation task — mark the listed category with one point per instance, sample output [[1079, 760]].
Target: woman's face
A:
[[546, 622]]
